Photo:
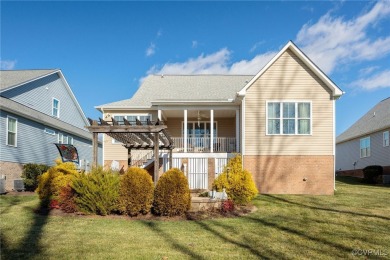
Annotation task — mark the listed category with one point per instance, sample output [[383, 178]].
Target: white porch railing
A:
[[202, 144]]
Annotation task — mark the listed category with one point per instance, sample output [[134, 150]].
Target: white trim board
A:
[[337, 92]]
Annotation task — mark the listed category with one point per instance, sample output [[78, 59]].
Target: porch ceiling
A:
[[204, 113]]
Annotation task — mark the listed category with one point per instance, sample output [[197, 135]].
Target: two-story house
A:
[[281, 120]]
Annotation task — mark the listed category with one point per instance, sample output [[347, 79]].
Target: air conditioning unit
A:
[[19, 185], [386, 179], [2, 186]]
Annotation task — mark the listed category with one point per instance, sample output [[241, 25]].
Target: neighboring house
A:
[[366, 142], [38, 109], [281, 120]]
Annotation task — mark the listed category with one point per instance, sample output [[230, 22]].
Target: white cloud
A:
[[194, 44], [368, 70], [7, 64], [214, 63], [330, 42], [256, 45], [379, 80], [151, 49], [203, 64], [333, 40], [159, 33]]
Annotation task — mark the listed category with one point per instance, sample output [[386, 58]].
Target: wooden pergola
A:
[[133, 135]]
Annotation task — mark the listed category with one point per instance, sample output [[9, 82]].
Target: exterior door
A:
[[198, 173]]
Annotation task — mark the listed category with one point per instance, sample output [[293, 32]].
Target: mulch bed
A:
[[239, 210], [189, 216]]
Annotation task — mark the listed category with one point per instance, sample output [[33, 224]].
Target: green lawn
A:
[[283, 227]]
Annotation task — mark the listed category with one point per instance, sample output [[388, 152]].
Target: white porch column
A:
[[237, 131], [159, 115], [185, 130], [212, 130]]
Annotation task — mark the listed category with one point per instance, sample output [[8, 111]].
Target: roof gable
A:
[[376, 119], [337, 92], [14, 83]]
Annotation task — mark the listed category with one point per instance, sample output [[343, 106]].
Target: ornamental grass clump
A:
[[96, 192], [172, 195], [135, 192], [237, 182], [56, 177]]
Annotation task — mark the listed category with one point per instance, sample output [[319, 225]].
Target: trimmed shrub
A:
[[227, 206], [66, 199], [237, 182], [172, 195], [135, 192], [371, 173], [96, 192], [54, 179], [31, 173]]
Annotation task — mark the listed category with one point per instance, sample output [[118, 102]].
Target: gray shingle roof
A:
[[184, 88], [10, 78], [376, 119]]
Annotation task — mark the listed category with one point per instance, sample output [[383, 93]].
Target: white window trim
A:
[[215, 122], [62, 138], [49, 131], [296, 117], [388, 139], [71, 138], [16, 132], [360, 148], [138, 115], [58, 108]]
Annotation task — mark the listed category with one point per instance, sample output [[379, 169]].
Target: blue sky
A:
[[105, 49]]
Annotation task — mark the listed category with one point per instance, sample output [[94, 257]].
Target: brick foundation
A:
[[10, 171], [292, 174]]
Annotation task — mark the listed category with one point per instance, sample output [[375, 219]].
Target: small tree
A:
[[31, 173], [237, 182]]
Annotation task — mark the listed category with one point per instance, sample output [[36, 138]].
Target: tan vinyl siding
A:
[[113, 151], [226, 127], [117, 151], [288, 79]]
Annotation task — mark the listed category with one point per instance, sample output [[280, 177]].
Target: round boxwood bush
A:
[[135, 192], [172, 195], [237, 182]]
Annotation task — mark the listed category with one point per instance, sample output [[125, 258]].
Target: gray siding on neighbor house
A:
[[349, 152], [39, 95], [36, 146]]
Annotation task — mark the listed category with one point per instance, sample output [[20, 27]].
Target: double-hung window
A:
[[55, 108], [12, 129], [288, 118], [385, 138], [365, 147], [65, 139]]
